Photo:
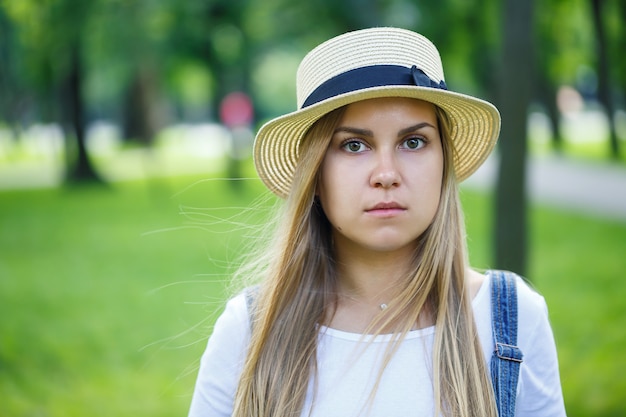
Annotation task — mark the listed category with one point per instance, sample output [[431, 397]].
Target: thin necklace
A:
[[382, 306]]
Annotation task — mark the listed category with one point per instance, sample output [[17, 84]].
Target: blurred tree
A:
[[13, 95], [603, 69], [547, 79], [120, 58], [619, 19], [514, 98], [139, 119], [467, 35], [210, 37], [564, 45], [620, 45], [74, 107], [69, 40], [52, 40], [26, 89], [567, 46], [229, 52], [141, 44]]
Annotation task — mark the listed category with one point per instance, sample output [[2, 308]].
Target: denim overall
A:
[[507, 357]]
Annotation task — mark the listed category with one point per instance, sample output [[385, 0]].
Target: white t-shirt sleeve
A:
[[539, 389], [222, 362]]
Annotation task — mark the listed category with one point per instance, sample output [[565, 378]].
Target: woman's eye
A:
[[414, 143], [354, 146]]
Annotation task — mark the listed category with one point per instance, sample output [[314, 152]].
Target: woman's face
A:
[[380, 181]]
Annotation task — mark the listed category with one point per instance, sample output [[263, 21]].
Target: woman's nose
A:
[[386, 173]]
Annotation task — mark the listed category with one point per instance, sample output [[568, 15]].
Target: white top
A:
[[348, 367]]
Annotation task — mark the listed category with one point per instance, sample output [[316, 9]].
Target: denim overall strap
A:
[[507, 357]]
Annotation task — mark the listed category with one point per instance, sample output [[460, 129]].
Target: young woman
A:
[[366, 304]]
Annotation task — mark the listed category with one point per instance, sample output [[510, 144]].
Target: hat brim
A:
[[474, 130]]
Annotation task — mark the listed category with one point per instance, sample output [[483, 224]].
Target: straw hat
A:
[[372, 63]]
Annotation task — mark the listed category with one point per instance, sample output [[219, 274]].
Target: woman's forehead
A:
[[396, 106]]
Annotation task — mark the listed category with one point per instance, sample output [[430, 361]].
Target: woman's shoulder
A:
[[532, 314], [233, 323], [480, 285], [236, 310], [529, 301], [532, 309], [531, 305], [475, 282]]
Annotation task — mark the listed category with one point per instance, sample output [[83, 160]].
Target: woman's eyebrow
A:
[[354, 131], [415, 128]]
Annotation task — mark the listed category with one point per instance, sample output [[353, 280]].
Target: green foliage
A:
[[109, 293], [44, 34], [564, 39], [274, 82], [228, 39]]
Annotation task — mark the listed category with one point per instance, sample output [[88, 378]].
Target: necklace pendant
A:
[[383, 306]]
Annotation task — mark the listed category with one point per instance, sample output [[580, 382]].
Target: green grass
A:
[[582, 263], [108, 294]]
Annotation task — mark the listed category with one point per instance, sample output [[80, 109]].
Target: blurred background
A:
[[128, 196]]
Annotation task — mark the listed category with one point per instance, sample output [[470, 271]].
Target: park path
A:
[[597, 189]]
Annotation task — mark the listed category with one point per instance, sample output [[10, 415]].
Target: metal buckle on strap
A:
[[508, 352]]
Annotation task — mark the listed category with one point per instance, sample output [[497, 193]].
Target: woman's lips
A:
[[385, 209]]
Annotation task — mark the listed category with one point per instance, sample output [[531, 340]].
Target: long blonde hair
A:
[[298, 291]]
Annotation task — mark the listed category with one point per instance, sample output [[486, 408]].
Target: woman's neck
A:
[[372, 277], [367, 282]]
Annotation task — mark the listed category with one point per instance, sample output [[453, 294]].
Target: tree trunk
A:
[[80, 168], [514, 98], [604, 89], [140, 119], [547, 95]]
